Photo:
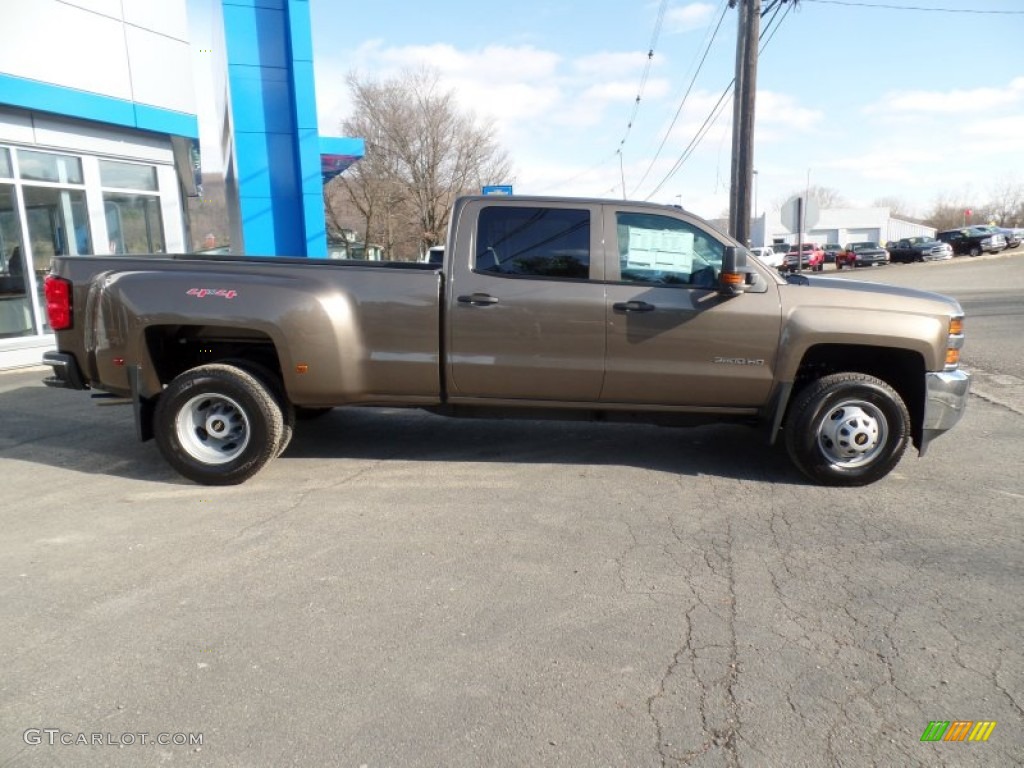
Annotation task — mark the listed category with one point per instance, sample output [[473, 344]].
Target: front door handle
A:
[[633, 306], [477, 299]]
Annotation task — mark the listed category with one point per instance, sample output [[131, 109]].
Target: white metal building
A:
[[840, 225], [93, 116]]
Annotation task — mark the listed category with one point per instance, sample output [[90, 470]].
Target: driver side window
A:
[[661, 250]]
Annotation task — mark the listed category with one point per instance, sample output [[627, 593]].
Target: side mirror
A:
[[732, 281]]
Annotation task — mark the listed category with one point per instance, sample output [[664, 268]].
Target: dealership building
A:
[[99, 150]]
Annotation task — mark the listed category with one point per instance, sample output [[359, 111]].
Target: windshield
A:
[[863, 246]]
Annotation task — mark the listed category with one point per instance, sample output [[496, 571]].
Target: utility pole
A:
[[749, 26]]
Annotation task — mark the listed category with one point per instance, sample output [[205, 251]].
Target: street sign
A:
[[498, 189], [788, 214]]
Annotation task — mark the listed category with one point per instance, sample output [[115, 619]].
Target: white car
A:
[[767, 256]]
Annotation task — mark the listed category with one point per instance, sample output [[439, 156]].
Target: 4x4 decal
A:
[[202, 293]]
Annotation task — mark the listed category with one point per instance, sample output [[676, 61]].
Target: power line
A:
[[647, 70], [686, 95], [888, 7], [655, 35], [766, 35]]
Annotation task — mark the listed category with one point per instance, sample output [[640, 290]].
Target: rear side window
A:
[[533, 242]]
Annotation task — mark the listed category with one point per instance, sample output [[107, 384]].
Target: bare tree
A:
[[952, 212], [1007, 204], [825, 197], [898, 207], [421, 153]]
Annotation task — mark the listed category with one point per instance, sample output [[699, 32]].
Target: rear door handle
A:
[[477, 299], [633, 306]]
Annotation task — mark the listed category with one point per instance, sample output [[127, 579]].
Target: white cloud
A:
[[629, 64], [775, 108], [952, 102], [685, 18]]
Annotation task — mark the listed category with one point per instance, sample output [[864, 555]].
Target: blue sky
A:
[[870, 101]]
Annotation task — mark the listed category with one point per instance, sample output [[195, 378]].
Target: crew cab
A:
[[973, 241], [806, 256], [911, 249], [862, 254], [543, 307]]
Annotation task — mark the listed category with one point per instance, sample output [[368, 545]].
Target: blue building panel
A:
[[301, 31], [149, 118], [277, 145], [271, 4], [316, 226], [269, 170], [304, 95], [255, 36], [339, 145], [309, 161], [58, 99], [262, 98]]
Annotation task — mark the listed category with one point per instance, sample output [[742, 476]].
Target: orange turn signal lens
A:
[[732, 278], [952, 357], [956, 326]]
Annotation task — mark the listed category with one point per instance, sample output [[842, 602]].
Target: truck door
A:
[[672, 339], [525, 301]]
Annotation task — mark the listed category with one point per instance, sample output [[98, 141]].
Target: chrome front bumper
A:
[[946, 396]]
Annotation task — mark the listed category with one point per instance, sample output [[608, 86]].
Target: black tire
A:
[[218, 398], [975, 251], [272, 382], [305, 413], [847, 429]]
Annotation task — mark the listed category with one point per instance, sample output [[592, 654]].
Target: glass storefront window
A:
[[133, 223], [127, 175], [44, 166], [50, 205], [15, 304], [58, 224]]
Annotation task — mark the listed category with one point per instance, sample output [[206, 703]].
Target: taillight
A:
[[58, 302]]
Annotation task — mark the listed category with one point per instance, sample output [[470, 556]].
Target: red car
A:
[[864, 254], [812, 257]]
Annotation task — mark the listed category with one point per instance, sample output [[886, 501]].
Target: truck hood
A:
[[858, 294]]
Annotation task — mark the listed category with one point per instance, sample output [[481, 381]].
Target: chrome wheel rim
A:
[[852, 434], [213, 429]]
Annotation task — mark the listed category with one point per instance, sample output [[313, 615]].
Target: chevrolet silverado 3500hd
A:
[[572, 308]]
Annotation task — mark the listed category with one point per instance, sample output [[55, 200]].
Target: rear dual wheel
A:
[[218, 424]]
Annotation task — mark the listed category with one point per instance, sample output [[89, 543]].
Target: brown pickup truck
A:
[[542, 307]]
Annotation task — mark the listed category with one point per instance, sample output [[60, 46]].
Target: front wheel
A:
[[218, 424], [847, 429]]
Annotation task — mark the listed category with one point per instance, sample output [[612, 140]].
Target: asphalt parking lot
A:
[[404, 590]]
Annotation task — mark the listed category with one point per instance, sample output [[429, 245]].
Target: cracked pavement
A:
[[404, 590]]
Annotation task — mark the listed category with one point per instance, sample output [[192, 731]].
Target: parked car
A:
[[862, 254], [812, 258], [911, 249], [972, 241], [768, 256], [831, 249], [434, 255], [994, 230], [1012, 236]]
